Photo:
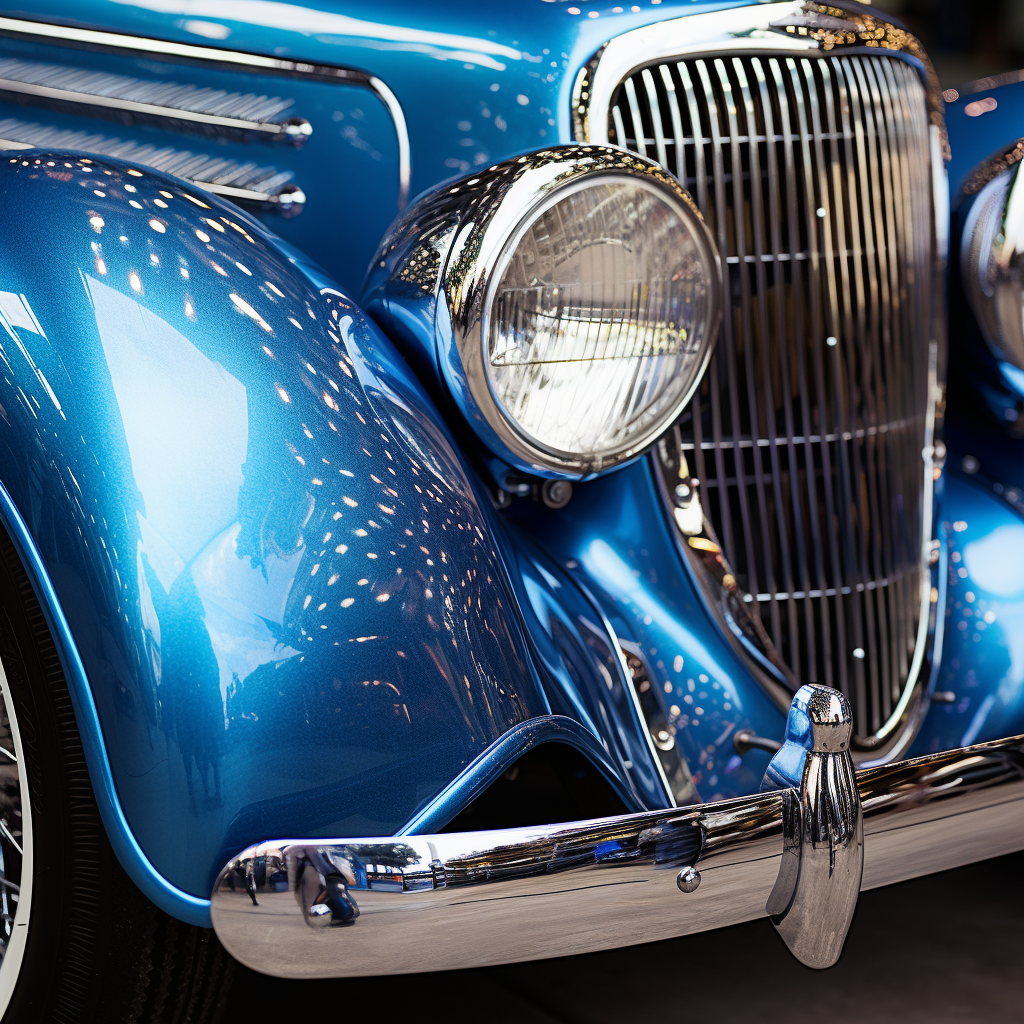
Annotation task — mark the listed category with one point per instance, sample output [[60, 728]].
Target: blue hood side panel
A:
[[478, 82], [281, 580]]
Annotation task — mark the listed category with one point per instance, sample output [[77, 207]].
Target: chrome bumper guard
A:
[[799, 854]]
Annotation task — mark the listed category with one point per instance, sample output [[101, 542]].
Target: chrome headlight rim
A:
[[500, 205], [992, 255]]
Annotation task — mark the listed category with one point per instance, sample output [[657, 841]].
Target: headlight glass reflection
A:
[[601, 318]]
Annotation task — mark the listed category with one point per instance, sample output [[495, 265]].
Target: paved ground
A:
[[936, 950]]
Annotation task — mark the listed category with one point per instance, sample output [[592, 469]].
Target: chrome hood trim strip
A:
[[252, 62]]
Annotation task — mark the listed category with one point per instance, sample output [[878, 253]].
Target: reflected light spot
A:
[[184, 272], [341, 549], [134, 173], [282, 394], [213, 224], [348, 602], [130, 188], [243, 307], [192, 199], [243, 268], [98, 192], [202, 235], [157, 226], [166, 195], [135, 203], [190, 310], [101, 267], [154, 259], [135, 281], [295, 323], [351, 502], [362, 583], [267, 350], [97, 223], [305, 603], [273, 287], [383, 597], [160, 203]]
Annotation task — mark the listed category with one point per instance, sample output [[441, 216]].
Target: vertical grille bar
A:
[[806, 433]]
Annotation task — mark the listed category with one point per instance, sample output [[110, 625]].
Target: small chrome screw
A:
[[688, 879]]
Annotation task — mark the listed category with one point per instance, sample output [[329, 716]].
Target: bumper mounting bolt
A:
[[688, 879]]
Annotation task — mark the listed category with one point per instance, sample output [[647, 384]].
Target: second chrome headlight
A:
[[577, 306], [992, 259]]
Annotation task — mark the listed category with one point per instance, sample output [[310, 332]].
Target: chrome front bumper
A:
[[428, 903]]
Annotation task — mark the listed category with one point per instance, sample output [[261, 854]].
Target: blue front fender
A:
[[280, 596]]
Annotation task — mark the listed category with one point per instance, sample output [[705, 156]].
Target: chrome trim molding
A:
[[239, 111], [69, 35], [983, 85], [240, 182], [439, 902]]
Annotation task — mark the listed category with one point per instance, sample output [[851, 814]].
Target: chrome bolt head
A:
[[688, 879]]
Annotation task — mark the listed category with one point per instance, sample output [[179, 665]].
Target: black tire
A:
[[98, 951]]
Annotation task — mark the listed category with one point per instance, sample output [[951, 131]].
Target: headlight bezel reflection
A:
[[992, 261], [470, 231]]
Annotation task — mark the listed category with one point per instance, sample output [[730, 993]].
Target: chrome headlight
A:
[[578, 301], [992, 258]]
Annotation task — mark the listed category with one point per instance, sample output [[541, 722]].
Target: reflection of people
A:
[[320, 887], [191, 678], [250, 880]]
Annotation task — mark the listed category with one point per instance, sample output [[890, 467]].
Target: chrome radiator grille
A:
[[807, 432]]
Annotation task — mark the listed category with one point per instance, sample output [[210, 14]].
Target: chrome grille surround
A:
[[806, 438]]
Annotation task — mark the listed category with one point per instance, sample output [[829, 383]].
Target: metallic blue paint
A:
[[191, 909], [202, 458], [477, 83], [615, 539], [283, 584], [983, 657]]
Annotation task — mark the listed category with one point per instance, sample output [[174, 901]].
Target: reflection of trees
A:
[[395, 855]]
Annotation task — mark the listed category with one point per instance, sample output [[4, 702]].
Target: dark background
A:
[[967, 39], [939, 950]]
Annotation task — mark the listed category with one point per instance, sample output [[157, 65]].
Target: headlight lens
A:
[[993, 264], [601, 318]]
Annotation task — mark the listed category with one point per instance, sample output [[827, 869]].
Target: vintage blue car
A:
[[621, 539]]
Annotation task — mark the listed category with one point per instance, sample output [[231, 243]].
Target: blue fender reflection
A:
[[614, 537], [980, 683], [280, 579]]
